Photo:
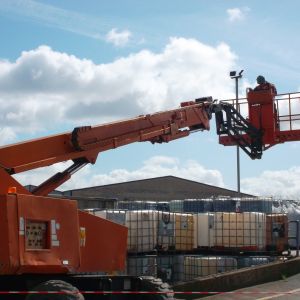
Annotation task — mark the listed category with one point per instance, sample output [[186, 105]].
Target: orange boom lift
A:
[[46, 238], [44, 235], [271, 120]]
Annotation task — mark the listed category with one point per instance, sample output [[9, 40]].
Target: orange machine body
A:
[[276, 117], [263, 114], [48, 235], [103, 244]]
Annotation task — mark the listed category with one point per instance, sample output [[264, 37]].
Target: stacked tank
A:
[[263, 205], [166, 231], [167, 241], [204, 230], [176, 231], [244, 231], [277, 232], [251, 261], [195, 266], [144, 205], [184, 232], [235, 231], [176, 206], [142, 265], [142, 230], [197, 205], [222, 204], [141, 224], [178, 268], [150, 230], [170, 268], [225, 205]]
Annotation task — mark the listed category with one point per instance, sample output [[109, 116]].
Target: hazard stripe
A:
[[273, 294]]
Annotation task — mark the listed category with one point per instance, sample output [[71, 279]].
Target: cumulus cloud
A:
[[118, 38], [153, 167], [280, 183], [37, 176], [46, 89], [237, 14], [289, 106], [7, 135]]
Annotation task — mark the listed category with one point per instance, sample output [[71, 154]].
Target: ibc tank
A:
[[142, 265], [150, 205], [184, 232], [277, 232], [245, 231], [141, 224], [198, 266], [163, 206], [244, 262], [224, 205], [142, 230], [204, 231], [170, 268], [263, 205], [166, 230], [176, 206], [197, 205], [131, 205]]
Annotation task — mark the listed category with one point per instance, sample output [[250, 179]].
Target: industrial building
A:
[[165, 188]]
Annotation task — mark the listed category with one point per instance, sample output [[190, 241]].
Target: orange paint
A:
[[105, 245]]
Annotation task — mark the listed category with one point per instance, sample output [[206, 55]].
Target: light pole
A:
[[234, 75]]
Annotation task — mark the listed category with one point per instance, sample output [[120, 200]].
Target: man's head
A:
[[260, 79]]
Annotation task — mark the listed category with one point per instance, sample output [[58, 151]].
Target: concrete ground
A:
[[288, 288]]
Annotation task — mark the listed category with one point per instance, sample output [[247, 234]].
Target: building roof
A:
[[163, 188]]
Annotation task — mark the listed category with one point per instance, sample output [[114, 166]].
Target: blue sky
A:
[[69, 63]]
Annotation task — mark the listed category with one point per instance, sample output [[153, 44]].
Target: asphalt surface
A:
[[288, 288]]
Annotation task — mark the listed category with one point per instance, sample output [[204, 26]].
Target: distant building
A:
[[164, 188]]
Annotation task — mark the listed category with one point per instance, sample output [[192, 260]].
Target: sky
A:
[[69, 63]]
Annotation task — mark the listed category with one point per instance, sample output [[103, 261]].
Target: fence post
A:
[[297, 237]]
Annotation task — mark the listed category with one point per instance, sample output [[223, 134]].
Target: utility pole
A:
[[234, 75]]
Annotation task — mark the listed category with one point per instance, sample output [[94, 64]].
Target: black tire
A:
[[57, 286], [152, 284]]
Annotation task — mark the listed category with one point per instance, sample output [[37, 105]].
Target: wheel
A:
[[57, 286], [152, 284]]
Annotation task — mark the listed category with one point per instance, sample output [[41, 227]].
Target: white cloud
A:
[[46, 89], [237, 14], [7, 135], [118, 38], [289, 105], [281, 183], [37, 176], [153, 167]]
